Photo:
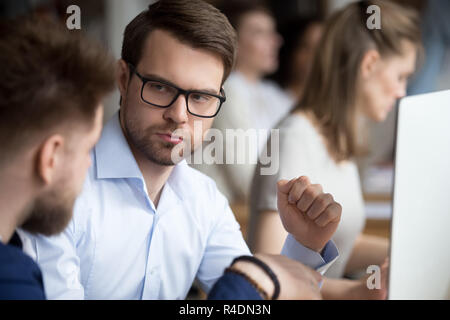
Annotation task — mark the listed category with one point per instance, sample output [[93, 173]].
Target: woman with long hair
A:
[[357, 72]]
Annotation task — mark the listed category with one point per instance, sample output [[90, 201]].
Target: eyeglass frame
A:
[[222, 98]]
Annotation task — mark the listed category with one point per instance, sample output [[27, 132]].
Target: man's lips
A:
[[168, 137]]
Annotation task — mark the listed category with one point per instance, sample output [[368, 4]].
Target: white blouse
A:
[[303, 152]]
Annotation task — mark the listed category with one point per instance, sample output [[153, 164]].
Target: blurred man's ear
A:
[[122, 78], [49, 157]]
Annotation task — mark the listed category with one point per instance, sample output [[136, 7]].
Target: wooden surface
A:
[[378, 227], [381, 228]]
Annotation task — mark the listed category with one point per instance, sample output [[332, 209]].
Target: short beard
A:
[[155, 152], [50, 215]]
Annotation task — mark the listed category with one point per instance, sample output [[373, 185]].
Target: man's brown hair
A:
[[193, 22], [235, 10], [50, 76]]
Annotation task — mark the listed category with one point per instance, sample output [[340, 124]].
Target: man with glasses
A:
[[163, 94], [144, 226]]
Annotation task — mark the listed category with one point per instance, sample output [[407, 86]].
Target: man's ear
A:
[[369, 63], [122, 77], [49, 157]]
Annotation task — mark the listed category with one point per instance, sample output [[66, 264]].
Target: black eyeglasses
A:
[[162, 94]]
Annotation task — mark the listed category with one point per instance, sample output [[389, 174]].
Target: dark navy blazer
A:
[[20, 277]]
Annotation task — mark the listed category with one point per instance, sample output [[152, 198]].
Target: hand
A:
[[307, 213], [297, 282]]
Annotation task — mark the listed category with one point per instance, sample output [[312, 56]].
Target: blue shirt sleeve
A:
[[233, 286], [317, 261]]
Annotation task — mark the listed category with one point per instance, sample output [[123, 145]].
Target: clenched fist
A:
[[307, 213]]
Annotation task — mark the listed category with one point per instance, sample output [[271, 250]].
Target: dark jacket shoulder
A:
[[20, 276]]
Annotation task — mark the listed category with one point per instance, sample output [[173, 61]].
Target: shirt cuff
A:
[[319, 262]]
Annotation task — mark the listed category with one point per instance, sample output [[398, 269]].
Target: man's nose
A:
[[177, 111]]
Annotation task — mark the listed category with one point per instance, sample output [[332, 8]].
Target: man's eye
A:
[[200, 97], [158, 87]]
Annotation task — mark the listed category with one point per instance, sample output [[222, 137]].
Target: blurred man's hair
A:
[[235, 10], [294, 33], [193, 22], [50, 77]]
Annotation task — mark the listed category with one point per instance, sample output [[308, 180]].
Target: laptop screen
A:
[[420, 235]]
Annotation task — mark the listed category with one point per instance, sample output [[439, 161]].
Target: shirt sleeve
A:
[[59, 263], [225, 242], [318, 261], [233, 286]]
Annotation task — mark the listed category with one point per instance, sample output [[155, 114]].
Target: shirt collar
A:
[[113, 155], [114, 159]]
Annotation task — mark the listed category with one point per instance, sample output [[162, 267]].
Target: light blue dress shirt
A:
[[119, 246]]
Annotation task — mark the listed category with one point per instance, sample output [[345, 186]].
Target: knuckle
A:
[[322, 202], [310, 192], [319, 187], [327, 215], [300, 205], [303, 180], [328, 197], [297, 186], [335, 211]]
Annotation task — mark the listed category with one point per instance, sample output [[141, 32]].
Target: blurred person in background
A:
[[252, 102], [432, 75], [436, 41], [357, 73], [300, 39]]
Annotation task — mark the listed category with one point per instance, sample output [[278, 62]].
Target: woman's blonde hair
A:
[[331, 88]]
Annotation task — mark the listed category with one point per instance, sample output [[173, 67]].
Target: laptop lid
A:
[[420, 229]]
